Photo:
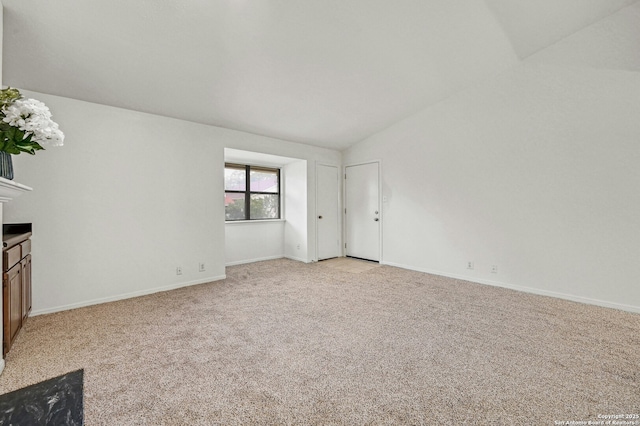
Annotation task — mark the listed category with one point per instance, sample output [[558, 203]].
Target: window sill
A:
[[245, 222]]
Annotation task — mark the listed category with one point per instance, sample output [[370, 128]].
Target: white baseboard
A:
[[125, 296], [261, 259], [1, 365], [573, 298], [258, 259], [298, 259]]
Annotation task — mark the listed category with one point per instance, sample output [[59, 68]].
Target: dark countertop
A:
[[14, 233], [57, 401]]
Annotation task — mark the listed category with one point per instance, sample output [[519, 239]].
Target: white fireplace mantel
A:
[[10, 189]]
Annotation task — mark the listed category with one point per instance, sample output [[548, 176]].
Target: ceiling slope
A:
[[328, 73], [533, 25], [321, 72], [611, 43]]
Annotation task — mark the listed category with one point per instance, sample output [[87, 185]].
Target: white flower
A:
[[33, 117]]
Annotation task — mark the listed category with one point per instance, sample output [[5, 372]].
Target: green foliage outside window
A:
[[260, 199]]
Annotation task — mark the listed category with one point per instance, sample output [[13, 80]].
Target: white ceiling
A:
[[323, 72], [532, 25]]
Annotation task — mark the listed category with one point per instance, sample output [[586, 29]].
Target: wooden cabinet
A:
[[16, 286], [12, 298], [26, 287]]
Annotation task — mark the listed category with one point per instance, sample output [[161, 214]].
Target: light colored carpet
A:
[[281, 342], [346, 264]]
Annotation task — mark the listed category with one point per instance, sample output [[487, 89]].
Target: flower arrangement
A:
[[25, 124]]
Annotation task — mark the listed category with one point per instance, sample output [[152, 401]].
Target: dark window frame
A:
[[247, 190]]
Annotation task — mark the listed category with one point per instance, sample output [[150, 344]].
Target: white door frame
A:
[[339, 207], [344, 203]]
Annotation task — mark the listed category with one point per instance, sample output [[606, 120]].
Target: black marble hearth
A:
[[56, 401]]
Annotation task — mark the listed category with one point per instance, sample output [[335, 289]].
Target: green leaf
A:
[[25, 144], [13, 139], [8, 95]]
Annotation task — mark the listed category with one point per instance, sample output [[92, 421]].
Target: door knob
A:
[[319, 217], [376, 219]]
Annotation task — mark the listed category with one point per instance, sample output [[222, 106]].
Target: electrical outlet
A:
[[469, 265], [494, 269], [201, 267], [298, 246], [179, 270]]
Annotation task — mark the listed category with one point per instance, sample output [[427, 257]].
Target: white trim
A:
[[10, 189], [125, 296], [344, 204], [258, 259], [1, 365], [571, 297], [262, 259], [315, 217], [298, 259], [253, 222]]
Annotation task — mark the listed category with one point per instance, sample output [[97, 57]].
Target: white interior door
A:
[[327, 208], [362, 218]]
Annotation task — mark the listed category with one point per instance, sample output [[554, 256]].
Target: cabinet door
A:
[[12, 305], [6, 335], [26, 287]]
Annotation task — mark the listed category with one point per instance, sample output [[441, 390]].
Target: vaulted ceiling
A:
[[323, 72]]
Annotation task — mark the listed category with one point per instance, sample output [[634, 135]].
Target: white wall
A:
[[126, 200], [261, 240], [296, 231], [535, 171], [308, 153], [1, 38], [129, 197], [253, 241]]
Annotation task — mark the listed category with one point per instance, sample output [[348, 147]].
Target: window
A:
[[251, 192]]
